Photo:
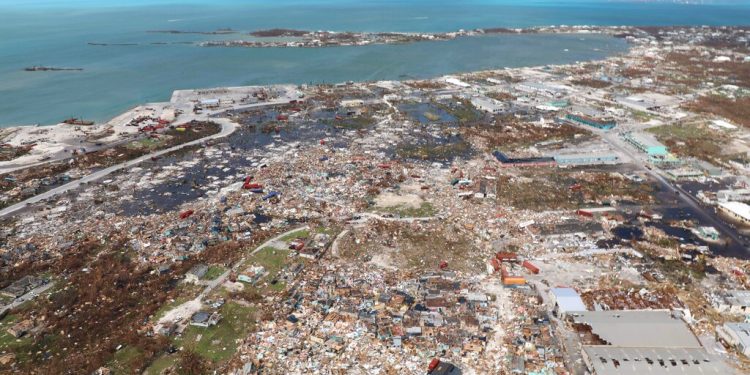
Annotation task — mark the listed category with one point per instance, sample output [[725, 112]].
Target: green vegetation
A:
[[125, 360], [354, 122], [642, 116], [464, 112], [271, 259], [160, 364], [433, 151], [145, 144], [213, 272], [217, 343], [424, 210], [7, 341], [326, 230], [304, 233], [690, 140], [23, 347]]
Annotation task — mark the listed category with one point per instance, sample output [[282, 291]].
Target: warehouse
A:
[[505, 161], [642, 342], [596, 123], [645, 143], [736, 210], [594, 158]]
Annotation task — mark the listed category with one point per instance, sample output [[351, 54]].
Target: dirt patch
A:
[[386, 200]]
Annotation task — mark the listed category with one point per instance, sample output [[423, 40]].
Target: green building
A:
[[646, 143]]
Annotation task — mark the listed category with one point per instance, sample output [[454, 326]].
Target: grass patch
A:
[[214, 272], [294, 235], [217, 343], [326, 230], [426, 209], [7, 341], [462, 110], [22, 347], [124, 360], [145, 144], [272, 259], [642, 116], [354, 122], [433, 151], [691, 140], [160, 364]]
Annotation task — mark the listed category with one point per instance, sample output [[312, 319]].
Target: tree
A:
[[191, 363]]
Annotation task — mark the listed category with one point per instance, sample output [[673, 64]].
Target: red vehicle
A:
[[297, 245], [186, 214], [433, 365]]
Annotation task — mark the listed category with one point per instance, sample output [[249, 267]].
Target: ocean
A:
[[115, 78]]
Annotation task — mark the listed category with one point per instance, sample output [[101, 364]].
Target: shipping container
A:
[[532, 268]]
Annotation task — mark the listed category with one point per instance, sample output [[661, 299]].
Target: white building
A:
[[567, 300], [736, 335], [736, 210], [734, 302], [487, 104]]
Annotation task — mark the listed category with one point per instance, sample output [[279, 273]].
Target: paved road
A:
[[227, 127], [26, 297], [684, 196], [220, 280], [187, 309]]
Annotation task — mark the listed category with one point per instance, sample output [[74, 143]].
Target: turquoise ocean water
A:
[[57, 33]]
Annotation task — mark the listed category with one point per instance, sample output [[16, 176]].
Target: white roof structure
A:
[[738, 297], [644, 342], [567, 300], [738, 208], [457, 82], [741, 332], [723, 124], [639, 328]]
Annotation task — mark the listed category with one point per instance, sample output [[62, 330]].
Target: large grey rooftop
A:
[[638, 328], [608, 360]]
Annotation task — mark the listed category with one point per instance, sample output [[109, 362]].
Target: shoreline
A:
[[53, 140]]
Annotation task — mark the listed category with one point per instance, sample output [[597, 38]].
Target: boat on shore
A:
[[39, 68], [77, 121]]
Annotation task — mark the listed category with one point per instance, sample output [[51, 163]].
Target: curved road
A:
[[227, 127], [187, 309]]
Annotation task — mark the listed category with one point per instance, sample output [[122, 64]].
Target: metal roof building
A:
[[593, 158], [638, 328], [645, 143], [736, 335], [644, 342], [606, 360], [567, 300]]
